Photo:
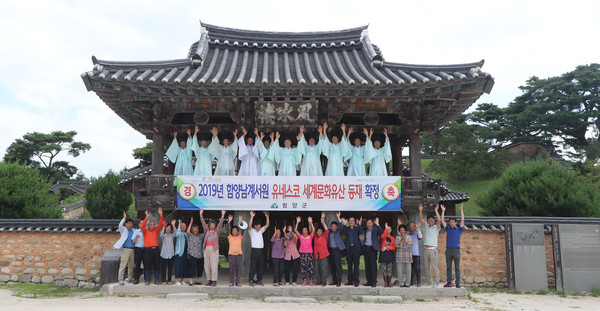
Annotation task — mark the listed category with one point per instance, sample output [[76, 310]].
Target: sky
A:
[[47, 45]]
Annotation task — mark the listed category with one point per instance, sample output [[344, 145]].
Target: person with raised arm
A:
[[288, 157], [321, 252], [138, 251], [125, 246], [267, 154], [414, 231], [386, 256], [248, 154], [234, 256], [203, 156], [210, 247], [352, 231], [225, 153], [403, 255], [311, 155], [306, 250], [378, 156], [181, 154], [430, 245], [257, 252], [167, 251], [291, 261], [151, 250], [277, 255], [196, 255], [335, 151], [371, 247], [181, 253], [453, 233], [355, 154], [336, 245]]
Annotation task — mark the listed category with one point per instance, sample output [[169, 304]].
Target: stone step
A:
[[382, 299], [290, 300], [187, 296]]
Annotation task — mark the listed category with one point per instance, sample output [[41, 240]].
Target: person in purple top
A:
[[414, 231], [211, 247], [277, 255], [453, 233]]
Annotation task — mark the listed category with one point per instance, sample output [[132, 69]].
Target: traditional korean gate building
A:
[[277, 81]]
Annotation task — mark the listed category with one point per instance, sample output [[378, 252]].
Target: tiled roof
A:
[[243, 57], [75, 186], [73, 206]]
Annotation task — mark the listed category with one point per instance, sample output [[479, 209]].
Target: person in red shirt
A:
[[321, 252], [386, 255], [150, 230]]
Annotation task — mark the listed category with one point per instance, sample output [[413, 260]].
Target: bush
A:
[[540, 188]]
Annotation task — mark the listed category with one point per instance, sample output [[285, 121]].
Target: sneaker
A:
[[147, 283], [304, 283], [447, 285], [213, 284], [238, 284], [230, 284], [260, 283], [251, 284], [427, 284], [288, 283], [178, 283], [453, 284], [348, 283], [333, 283], [276, 284], [121, 283], [418, 284], [458, 286], [294, 284], [435, 284], [130, 281], [311, 283], [280, 283]]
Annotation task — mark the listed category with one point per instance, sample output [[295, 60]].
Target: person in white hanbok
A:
[[225, 153], [203, 156], [378, 156], [181, 154], [267, 154], [335, 151], [249, 155], [356, 155], [288, 157], [311, 162]]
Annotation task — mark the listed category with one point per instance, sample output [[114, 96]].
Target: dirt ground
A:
[[478, 301]]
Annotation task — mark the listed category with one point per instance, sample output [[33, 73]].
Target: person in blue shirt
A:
[[453, 233]]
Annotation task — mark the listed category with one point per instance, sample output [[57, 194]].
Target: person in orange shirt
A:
[[150, 230], [234, 256], [386, 255]]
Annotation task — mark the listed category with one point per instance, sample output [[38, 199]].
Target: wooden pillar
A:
[[157, 153], [396, 156], [415, 155]]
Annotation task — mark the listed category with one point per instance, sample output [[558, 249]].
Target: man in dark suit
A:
[[336, 245], [352, 231], [370, 250]]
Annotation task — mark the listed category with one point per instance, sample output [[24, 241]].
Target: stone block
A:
[[66, 271], [52, 271], [36, 279], [39, 264], [16, 263], [478, 279], [86, 285], [20, 257], [5, 270], [489, 279], [499, 285], [477, 272], [81, 271], [81, 277], [79, 264], [17, 270], [71, 282], [4, 263], [10, 241], [27, 264], [22, 278], [64, 264], [29, 257], [469, 280], [9, 256], [4, 278], [13, 278], [29, 271], [46, 279], [489, 284], [486, 265], [41, 271], [94, 272]]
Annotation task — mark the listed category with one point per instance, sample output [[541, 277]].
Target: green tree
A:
[[144, 154], [471, 156], [105, 199], [540, 188], [40, 150], [24, 193]]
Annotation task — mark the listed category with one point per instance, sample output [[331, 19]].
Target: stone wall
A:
[[71, 259]]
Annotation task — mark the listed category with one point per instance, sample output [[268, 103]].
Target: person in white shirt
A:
[[138, 251], [125, 245], [430, 242], [257, 256], [248, 154]]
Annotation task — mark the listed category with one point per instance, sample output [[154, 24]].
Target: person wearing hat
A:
[[248, 154], [224, 153], [267, 154], [288, 157], [378, 156], [311, 162], [203, 156], [356, 154], [180, 153], [334, 151]]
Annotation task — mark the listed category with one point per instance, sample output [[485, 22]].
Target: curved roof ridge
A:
[[434, 67], [219, 32], [161, 63]]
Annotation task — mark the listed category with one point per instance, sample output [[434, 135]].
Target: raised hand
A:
[[244, 131], [289, 228], [262, 135], [147, 213], [399, 221], [360, 221], [252, 213], [461, 206], [443, 207], [196, 130], [370, 132], [222, 213], [301, 128], [240, 219], [272, 136], [310, 219], [338, 215], [343, 126], [235, 133], [256, 132], [322, 215], [214, 131], [173, 221], [174, 134], [191, 221], [350, 130], [320, 129], [202, 213], [325, 126], [276, 135], [298, 219], [420, 207], [189, 132], [124, 215], [385, 132], [366, 132], [377, 221], [229, 218], [418, 225]]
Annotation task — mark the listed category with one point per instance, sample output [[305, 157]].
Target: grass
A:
[[27, 290], [474, 188], [595, 292]]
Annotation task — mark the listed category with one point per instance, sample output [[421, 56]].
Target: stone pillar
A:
[[157, 153]]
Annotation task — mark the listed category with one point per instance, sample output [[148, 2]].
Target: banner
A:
[[293, 193]]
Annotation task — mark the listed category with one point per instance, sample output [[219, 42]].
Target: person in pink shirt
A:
[[306, 250], [321, 252], [291, 260]]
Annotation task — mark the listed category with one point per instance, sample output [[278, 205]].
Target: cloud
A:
[[48, 44]]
